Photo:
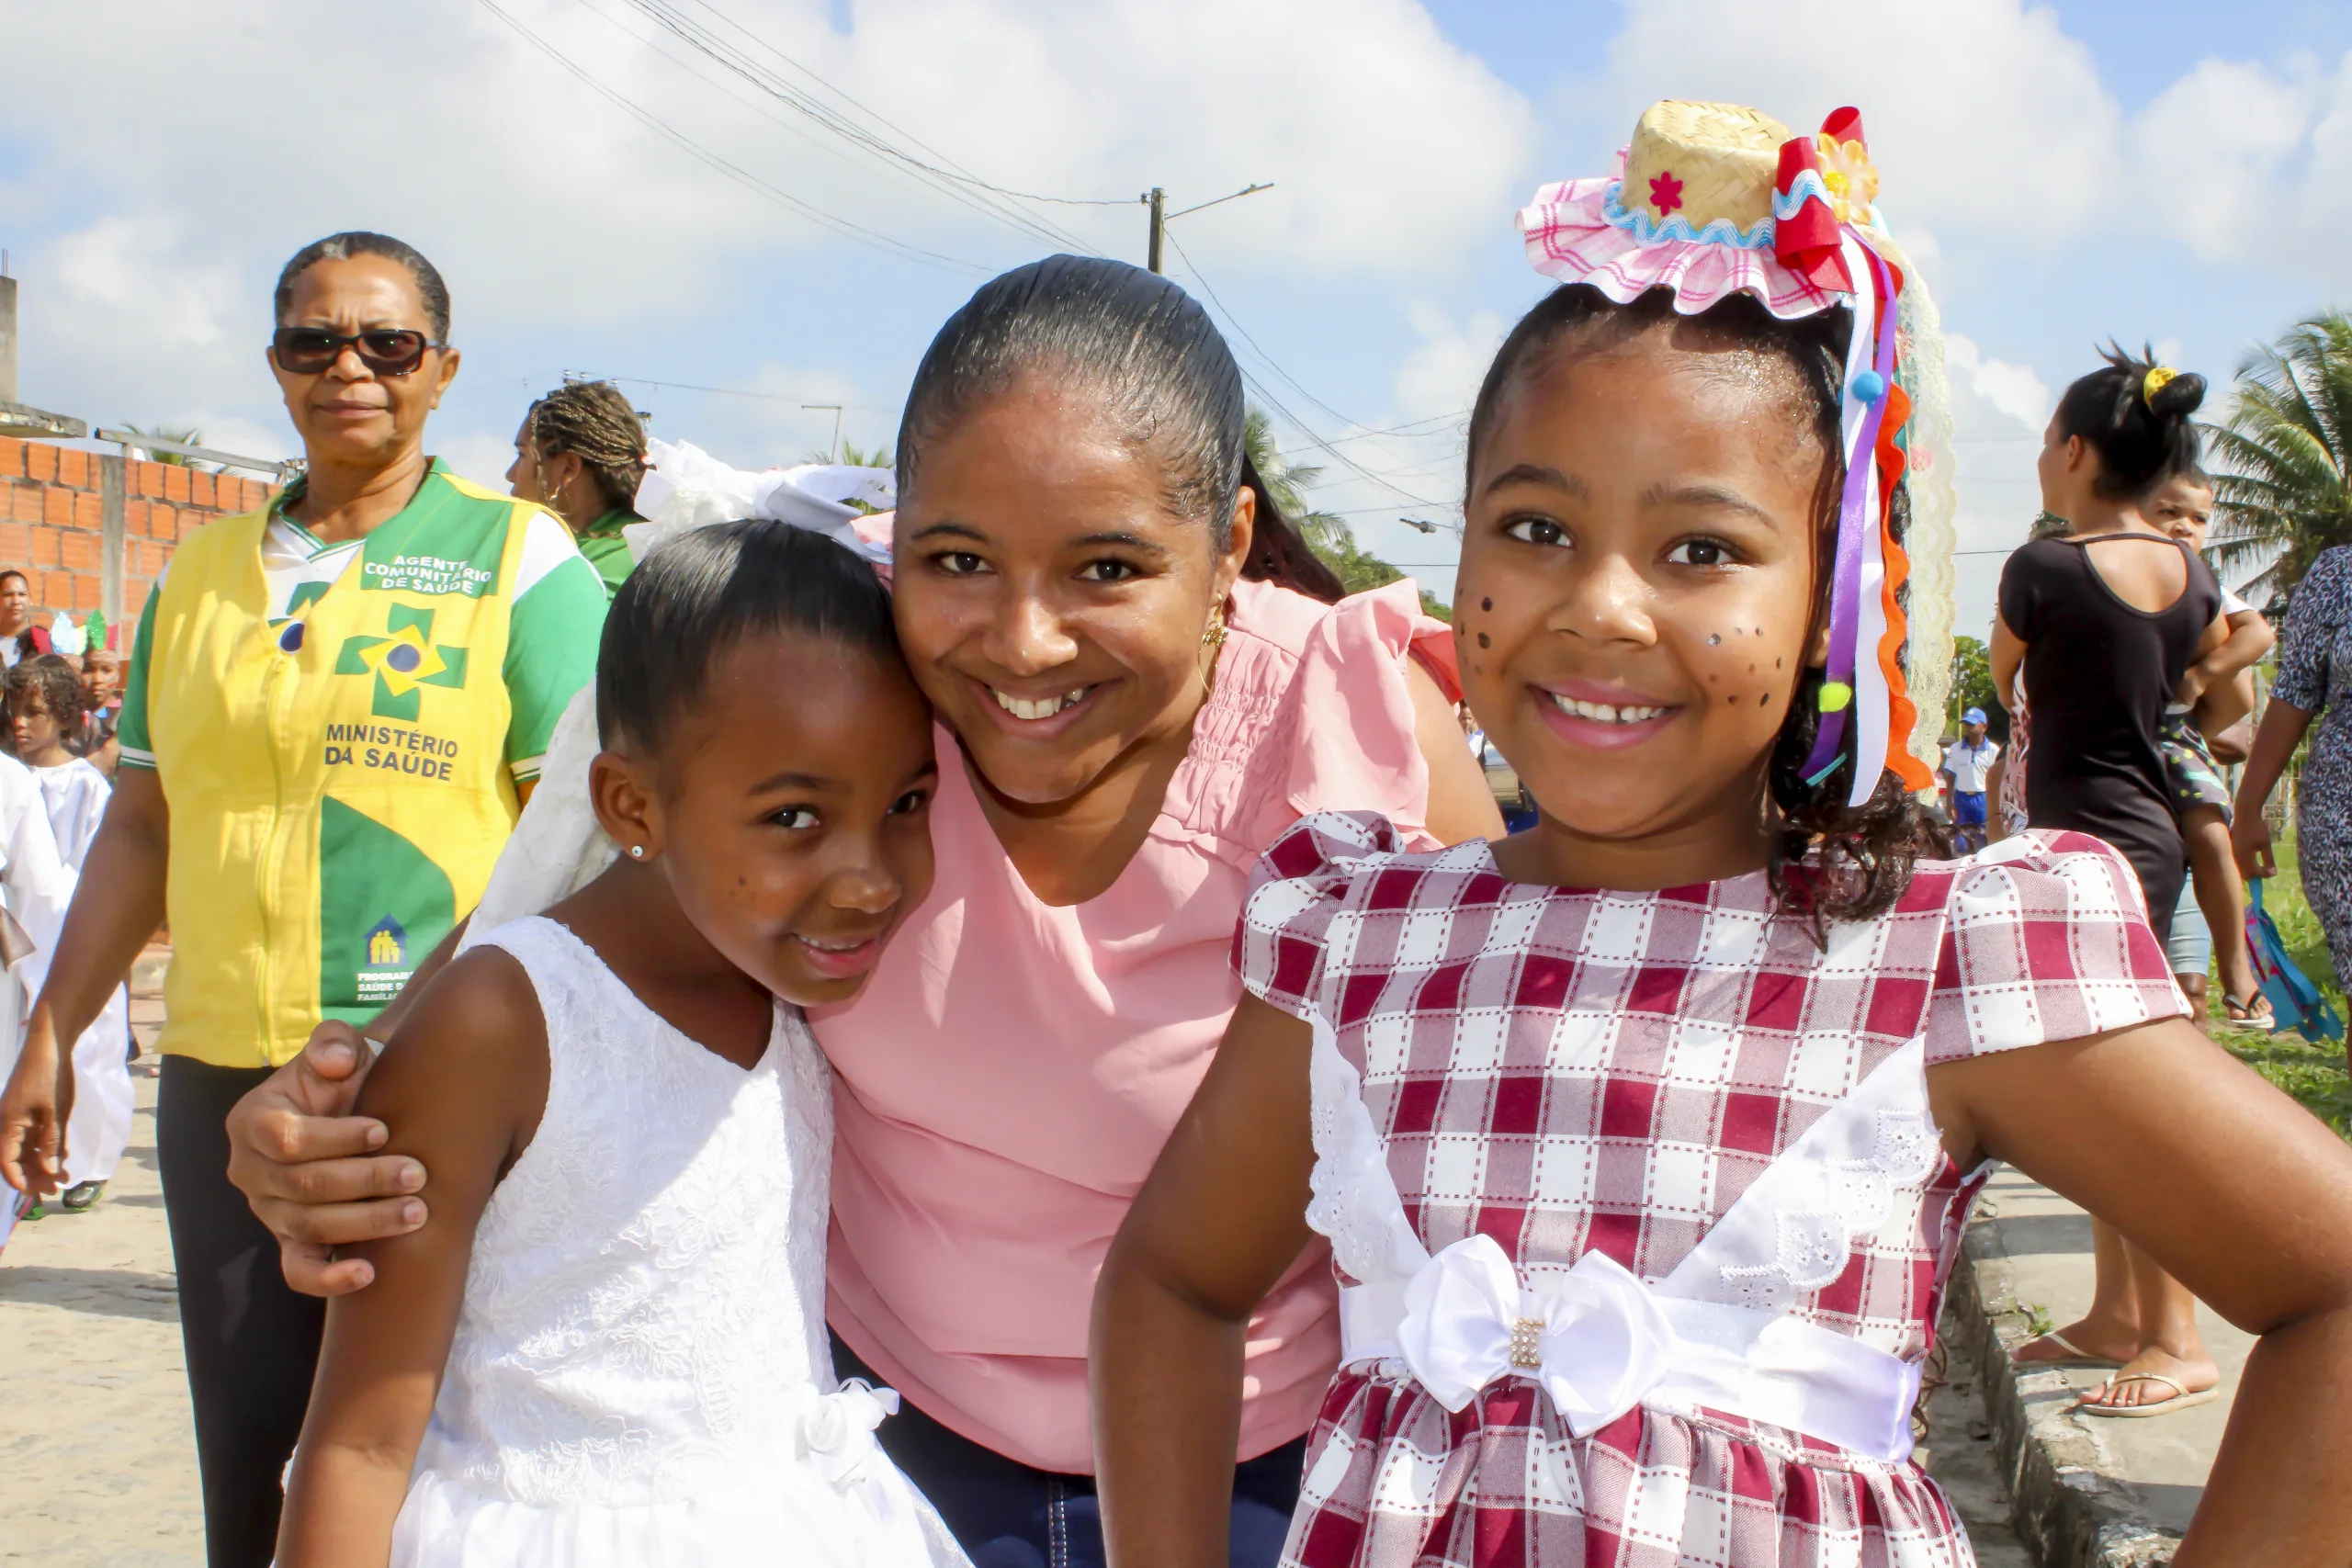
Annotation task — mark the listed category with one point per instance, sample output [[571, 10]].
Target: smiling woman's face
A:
[[1636, 579], [1050, 603], [347, 415]]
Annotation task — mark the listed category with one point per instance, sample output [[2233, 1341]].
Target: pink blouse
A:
[[1008, 1078]]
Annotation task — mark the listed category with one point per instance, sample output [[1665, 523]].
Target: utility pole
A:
[[820, 408], [1157, 199]]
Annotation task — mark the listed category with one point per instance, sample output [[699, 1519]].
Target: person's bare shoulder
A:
[[478, 1023]]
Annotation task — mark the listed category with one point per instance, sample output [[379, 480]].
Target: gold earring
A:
[[1214, 636]]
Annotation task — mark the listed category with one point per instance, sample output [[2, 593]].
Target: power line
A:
[[838, 225], [741, 392], [1314, 438], [942, 175]]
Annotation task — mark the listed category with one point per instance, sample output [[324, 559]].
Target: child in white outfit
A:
[[45, 706], [606, 1345]]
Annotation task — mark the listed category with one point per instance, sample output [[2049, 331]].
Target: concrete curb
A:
[[2067, 1504]]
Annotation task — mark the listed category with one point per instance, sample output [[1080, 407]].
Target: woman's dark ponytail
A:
[[1278, 554], [1159, 363], [2135, 415]]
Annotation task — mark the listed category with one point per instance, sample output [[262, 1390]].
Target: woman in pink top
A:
[[1097, 597]]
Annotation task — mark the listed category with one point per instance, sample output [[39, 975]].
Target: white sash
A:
[[1717, 1332]]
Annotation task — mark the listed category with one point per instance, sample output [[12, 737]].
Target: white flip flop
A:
[[2182, 1398], [2076, 1354]]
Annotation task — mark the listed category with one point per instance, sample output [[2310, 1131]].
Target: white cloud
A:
[[1441, 376], [2016, 391]]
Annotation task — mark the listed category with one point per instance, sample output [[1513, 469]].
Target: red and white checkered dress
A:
[[1567, 1071]]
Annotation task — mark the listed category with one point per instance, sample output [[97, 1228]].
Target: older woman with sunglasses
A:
[[335, 706]]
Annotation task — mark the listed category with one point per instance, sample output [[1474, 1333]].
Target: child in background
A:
[[1644, 1140], [2218, 692], [102, 705], [45, 706], [608, 1346]]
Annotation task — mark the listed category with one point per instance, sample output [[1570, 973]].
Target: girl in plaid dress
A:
[[1643, 1140]]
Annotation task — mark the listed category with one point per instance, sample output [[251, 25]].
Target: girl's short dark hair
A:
[[359, 242], [1830, 861], [55, 682], [706, 591], [1159, 363], [2142, 439]]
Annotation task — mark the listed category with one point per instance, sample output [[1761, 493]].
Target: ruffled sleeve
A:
[[1296, 888], [1312, 712], [2046, 938], [1346, 738]]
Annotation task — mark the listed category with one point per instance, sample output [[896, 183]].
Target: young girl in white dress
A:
[[608, 1346], [46, 701], [1645, 1139]]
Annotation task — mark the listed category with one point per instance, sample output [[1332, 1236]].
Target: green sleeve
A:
[[550, 653], [131, 729], [609, 554]]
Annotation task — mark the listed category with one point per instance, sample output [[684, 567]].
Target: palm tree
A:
[[1326, 533], [191, 437], [2283, 492]]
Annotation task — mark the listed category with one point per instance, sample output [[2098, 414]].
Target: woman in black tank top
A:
[[2098, 671], [2097, 674]]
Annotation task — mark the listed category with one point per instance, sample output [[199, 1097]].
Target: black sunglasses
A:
[[387, 351]]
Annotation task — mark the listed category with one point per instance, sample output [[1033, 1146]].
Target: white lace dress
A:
[[641, 1375]]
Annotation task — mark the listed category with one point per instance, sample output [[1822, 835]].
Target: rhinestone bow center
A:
[[1527, 1344]]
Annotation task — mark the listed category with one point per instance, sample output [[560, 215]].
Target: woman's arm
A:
[[2275, 739], [1220, 1218], [1997, 823], [2243, 1196], [464, 1092], [1461, 806], [2007, 653], [117, 906]]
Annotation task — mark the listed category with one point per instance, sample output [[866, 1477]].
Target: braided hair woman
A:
[[580, 454]]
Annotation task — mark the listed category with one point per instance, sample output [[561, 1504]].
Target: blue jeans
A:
[[1008, 1516]]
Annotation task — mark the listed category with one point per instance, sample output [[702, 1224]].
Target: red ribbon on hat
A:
[[1808, 242]]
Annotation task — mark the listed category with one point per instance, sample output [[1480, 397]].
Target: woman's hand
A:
[[2250, 843], [34, 1110], [309, 1168]]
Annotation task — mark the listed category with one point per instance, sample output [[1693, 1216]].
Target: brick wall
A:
[[54, 525]]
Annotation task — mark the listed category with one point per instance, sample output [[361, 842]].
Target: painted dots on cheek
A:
[[1485, 604], [1484, 641], [1715, 639]]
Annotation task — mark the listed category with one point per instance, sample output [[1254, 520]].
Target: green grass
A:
[[2314, 1075]]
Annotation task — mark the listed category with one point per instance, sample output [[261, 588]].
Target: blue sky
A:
[[2156, 171]]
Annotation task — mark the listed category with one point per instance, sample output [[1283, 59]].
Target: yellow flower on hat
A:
[[1852, 178]]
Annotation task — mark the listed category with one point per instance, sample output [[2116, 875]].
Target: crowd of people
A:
[[684, 1045]]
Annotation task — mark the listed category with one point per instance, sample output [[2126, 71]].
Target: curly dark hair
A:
[[55, 682], [1829, 861]]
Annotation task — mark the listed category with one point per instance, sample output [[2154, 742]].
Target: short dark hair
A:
[[2142, 439], [11, 571], [1157, 362], [708, 589], [56, 683], [360, 243], [1830, 861]]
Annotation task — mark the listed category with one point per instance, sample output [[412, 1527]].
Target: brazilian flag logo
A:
[[402, 662]]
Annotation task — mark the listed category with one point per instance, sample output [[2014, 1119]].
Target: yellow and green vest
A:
[[340, 769]]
